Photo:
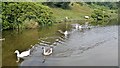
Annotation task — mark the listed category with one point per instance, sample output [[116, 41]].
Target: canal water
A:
[[97, 46]]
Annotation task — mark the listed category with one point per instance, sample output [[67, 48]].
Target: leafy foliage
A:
[[110, 5], [15, 13], [99, 14]]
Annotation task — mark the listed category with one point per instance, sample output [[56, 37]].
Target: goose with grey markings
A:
[[46, 52]]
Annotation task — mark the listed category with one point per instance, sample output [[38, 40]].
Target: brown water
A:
[[25, 38], [98, 44]]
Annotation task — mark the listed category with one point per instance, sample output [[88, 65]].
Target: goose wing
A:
[[25, 53], [48, 50]]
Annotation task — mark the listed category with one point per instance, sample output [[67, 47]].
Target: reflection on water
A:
[[79, 41], [24, 39]]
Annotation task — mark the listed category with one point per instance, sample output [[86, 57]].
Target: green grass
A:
[[76, 12]]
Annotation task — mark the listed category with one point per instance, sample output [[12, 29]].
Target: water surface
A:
[[89, 47]]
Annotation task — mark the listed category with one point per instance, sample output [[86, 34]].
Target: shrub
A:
[[99, 14], [15, 13]]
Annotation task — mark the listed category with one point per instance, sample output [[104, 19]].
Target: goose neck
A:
[[18, 53], [44, 49]]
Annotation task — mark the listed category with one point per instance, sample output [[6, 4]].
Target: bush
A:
[[15, 13], [99, 14]]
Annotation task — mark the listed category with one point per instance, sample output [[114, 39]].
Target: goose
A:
[[76, 26], [47, 52], [23, 54], [80, 27], [65, 33]]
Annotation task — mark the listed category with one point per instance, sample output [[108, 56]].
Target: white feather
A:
[[23, 54]]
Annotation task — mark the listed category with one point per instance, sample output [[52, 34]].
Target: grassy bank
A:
[[46, 14], [76, 12]]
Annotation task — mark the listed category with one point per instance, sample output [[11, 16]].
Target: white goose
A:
[[65, 33], [76, 26], [80, 27], [23, 54]]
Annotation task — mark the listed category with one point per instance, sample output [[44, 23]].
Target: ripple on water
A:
[[77, 44]]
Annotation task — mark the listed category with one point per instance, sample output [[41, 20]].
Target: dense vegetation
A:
[[100, 10], [15, 15], [110, 5], [100, 14]]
